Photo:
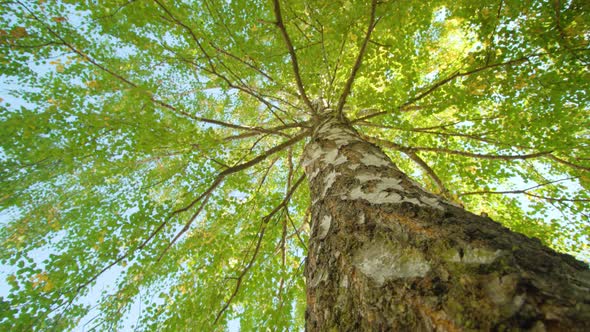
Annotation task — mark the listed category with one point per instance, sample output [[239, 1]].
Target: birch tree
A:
[[336, 165]]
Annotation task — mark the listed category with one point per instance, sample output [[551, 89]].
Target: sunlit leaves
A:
[[116, 117]]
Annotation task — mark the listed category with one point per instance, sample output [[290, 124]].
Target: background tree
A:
[[161, 142]]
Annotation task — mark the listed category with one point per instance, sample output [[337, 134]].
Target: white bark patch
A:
[[365, 176], [390, 183], [374, 160], [340, 139], [331, 130], [329, 181], [312, 153], [330, 155], [325, 157], [412, 200], [344, 282], [361, 218], [377, 197], [314, 174], [480, 256], [334, 158], [382, 192], [473, 256], [353, 166], [387, 190], [382, 261], [432, 202], [324, 227], [317, 278]]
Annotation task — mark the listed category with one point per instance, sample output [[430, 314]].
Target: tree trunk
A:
[[385, 255]]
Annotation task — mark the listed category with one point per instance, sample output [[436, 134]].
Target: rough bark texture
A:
[[385, 255]]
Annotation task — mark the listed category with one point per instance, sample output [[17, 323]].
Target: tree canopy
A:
[[150, 150]]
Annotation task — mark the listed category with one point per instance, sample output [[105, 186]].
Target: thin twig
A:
[[457, 74], [402, 148], [218, 180], [250, 263]]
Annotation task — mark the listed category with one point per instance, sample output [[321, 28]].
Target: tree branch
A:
[[565, 162], [526, 192], [442, 82], [218, 180], [279, 23], [402, 148], [441, 126], [359, 60], [275, 130], [523, 191], [250, 263], [204, 196], [213, 69], [412, 155], [131, 84]]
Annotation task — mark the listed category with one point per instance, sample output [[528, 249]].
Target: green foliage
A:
[[150, 150]]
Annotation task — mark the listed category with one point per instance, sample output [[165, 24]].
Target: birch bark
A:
[[385, 255]]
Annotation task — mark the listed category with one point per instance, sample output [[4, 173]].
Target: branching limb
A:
[[280, 24], [527, 193], [132, 84], [402, 148], [297, 231], [481, 137], [250, 263], [218, 180], [275, 130], [565, 162], [414, 157], [441, 126], [480, 155], [545, 154], [359, 59], [212, 67], [249, 62], [431, 173], [450, 78], [203, 197]]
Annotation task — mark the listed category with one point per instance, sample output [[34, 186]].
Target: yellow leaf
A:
[[38, 279], [53, 224], [520, 84], [59, 19], [59, 68], [48, 286], [19, 32], [92, 84]]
